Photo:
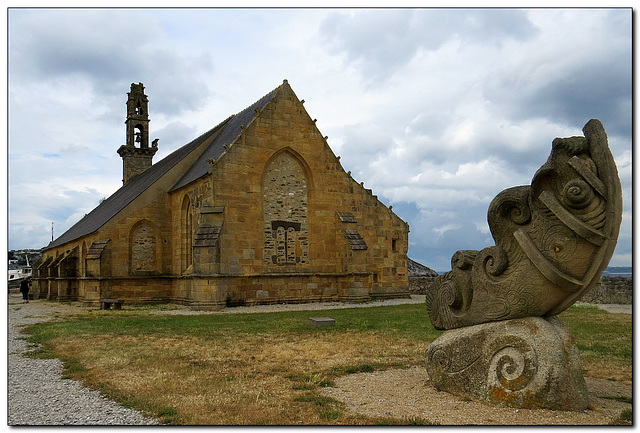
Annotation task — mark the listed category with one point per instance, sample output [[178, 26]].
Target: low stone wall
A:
[[419, 285], [610, 290]]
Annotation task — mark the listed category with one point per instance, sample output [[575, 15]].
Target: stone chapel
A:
[[257, 210]]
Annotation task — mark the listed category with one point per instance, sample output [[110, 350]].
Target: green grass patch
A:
[[252, 368], [619, 398], [327, 408], [318, 379], [626, 415], [168, 415], [408, 321], [362, 368], [601, 337]]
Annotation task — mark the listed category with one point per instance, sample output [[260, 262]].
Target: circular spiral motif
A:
[[494, 260], [513, 366], [511, 204], [510, 363], [449, 295], [578, 193], [440, 357], [520, 213], [559, 243]]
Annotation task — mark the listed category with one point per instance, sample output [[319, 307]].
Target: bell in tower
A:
[[136, 154]]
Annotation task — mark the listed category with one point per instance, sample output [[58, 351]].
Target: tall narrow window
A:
[[187, 233]]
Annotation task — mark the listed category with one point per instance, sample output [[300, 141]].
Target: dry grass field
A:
[[270, 368]]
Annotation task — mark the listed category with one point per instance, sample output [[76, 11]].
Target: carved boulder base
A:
[[524, 363]]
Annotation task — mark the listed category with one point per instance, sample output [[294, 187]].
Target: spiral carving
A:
[[578, 194], [445, 300], [494, 260], [511, 204], [449, 295], [592, 211], [441, 358], [519, 213], [514, 365]]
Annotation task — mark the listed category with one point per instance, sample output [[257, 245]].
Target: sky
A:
[[436, 110]]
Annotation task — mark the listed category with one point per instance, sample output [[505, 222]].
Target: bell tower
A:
[[136, 154]]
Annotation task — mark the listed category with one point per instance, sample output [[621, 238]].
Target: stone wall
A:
[[276, 219], [610, 290], [419, 285]]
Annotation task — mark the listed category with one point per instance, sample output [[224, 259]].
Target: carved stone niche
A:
[[554, 238]]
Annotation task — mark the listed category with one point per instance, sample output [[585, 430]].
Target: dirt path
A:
[[408, 394]]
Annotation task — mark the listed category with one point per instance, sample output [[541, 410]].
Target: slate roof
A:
[[229, 130], [228, 135]]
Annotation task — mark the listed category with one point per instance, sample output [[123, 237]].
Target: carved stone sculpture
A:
[[553, 240], [526, 363]]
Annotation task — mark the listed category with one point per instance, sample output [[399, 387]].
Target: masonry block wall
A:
[[275, 219]]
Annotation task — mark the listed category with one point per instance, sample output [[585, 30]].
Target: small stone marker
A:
[[321, 321]]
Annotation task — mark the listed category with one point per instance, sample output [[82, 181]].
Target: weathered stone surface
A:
[[553, 240], [321, 321], [524, 363], [252, 211]]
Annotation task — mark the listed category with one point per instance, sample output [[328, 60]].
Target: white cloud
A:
[[436, 110]]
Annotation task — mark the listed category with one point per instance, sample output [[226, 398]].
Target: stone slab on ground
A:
[[321, 321]]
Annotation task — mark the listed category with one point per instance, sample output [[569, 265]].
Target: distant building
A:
[[256, 210]]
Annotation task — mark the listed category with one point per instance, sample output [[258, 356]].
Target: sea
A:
[[618, 271]]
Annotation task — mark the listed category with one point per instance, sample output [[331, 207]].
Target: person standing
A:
[[25, 286]]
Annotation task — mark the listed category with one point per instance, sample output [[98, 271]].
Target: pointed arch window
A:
[[143, 248], [285, 207]]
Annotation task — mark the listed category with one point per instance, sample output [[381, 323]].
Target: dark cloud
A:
[[435, 236], [172, 136], [589, 78], [380, 42], [110, 48], [596, 89], [97, 42], [593, 92]]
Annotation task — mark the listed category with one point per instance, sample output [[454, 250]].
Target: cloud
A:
[[109, 48], [380, 42], [172, 136], [584, 72], [436, 110]]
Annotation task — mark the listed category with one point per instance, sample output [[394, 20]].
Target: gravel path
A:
[[38, 395]]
